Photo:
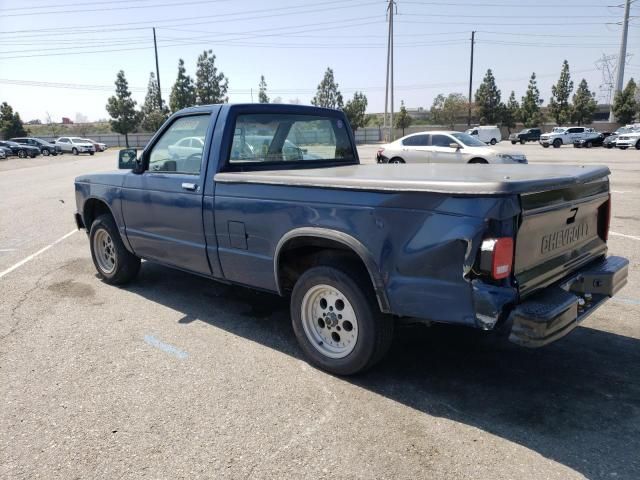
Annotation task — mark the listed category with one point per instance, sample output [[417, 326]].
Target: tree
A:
[[122, 108], [584, 104], [487, 100], [403, 120], [328, 95], [153, 114], [54, 128], [355, 110], [530, 114], [262, 91], [560, 92], [510, 113], [211, 86], [183, 92], [10, 122], [625, 104], [446, 110]]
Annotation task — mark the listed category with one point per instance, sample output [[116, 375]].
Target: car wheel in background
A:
[[623, 148], [545, 146], [513, 142], [22, 154], [396, 160], [74, 150], [45, 152], [557, 143], [638, 145], [493, 141], [91, 153], [589, 145], [608, 145], [337, 321], [33, 155], [522, 141]]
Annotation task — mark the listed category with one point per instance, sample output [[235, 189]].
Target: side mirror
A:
[[127, 159], [454, 145]]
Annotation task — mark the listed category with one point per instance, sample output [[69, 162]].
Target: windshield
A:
[[558, 130], [79, 140], [468, 140], [275, 138]]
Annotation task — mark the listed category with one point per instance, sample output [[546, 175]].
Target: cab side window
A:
[[180, 148], [441, 141]]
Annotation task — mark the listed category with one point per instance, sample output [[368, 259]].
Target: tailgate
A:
[[561, 231]]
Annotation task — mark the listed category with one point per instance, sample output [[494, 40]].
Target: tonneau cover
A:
[[466, 179]]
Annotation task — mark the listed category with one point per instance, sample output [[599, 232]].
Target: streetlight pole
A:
[[473, 40]]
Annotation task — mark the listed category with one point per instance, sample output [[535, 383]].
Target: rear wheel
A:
[[74, 150], [545, 146], [396, 160], [589, 144], [557, 143], [513, 142], [114, 263], [638, 145], [493, 141], [478, 160], [22, 154], [91, 153], [45, 152], [522, 141], [623, 148], [608, 145], [337, 321]]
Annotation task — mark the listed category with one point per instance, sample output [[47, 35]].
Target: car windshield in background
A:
[[79, 140], [468, 140], [276, 138]]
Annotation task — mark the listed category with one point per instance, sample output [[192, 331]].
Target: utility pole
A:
[[622, 56], [155, 47], [389, 79], [473, 41]]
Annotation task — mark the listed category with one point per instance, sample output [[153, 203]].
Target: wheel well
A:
[[478, 160], [396, 158], [299, 254], [93, 208]]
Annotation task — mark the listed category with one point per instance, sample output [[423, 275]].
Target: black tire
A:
[[74, 150], [557, 143], [396, 160], [493, 141], [545, 146], [22, 154], [32, 155], [476, 161], [638, 145], [375, 330], [623, 148], [513, 142], [127, 265], [91, 153], [608, 145], [522, 141], [589, 144], [46, 152]]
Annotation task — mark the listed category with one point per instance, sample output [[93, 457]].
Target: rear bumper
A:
[[557, 310]]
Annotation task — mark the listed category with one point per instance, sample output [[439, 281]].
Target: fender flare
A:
[[347, 240]]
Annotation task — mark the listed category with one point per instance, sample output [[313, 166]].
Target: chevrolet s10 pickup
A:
[[274, 197]]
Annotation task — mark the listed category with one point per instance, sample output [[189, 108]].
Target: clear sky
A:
[[62, 57]]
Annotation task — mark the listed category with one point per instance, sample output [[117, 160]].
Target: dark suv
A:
[[21, 150], [526, 135], [45, 147]]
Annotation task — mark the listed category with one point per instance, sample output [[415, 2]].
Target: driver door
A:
[[442, 151], [162, 207]]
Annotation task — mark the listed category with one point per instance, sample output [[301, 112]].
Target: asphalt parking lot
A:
[[176, 376]]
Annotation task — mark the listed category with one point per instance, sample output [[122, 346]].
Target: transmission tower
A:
[[607, 65]]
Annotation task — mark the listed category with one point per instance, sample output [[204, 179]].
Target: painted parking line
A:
[[165, 347], [628, 301], [34, 255], [616, 234]]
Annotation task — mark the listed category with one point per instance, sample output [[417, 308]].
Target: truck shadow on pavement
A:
[[576, 402]]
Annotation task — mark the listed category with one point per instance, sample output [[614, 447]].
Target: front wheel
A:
[[638, 145], [557, 143], [623, 148], [513, 142], [91, 153], [478, 161], [22, 154], [74, 150], [493, 141], [396, 160], [523, 141], [337, 321], [589, 145], [45, 152], [114, 263]]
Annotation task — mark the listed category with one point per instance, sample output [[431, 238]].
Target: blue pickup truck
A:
[[274, 197]]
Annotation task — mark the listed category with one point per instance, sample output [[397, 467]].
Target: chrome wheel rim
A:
[[329, 321], [105, 251], [45, 153]]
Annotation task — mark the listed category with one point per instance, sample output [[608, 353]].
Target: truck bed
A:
[[437, 178]]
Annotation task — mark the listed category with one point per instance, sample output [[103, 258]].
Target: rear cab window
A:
[[289, 140]]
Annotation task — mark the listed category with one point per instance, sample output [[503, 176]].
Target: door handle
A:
[[192, 187]]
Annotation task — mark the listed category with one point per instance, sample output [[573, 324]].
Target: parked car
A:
[[526, 135], [6, 152], [45, 147], [356, 247], [594, 139], [3, 154], [22, 151], [610, 142], [486, 133], [564, 136], [443, 147], [630, 139], [99, 147], [75, 145]]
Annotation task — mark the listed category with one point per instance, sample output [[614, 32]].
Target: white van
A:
[[487, 134]]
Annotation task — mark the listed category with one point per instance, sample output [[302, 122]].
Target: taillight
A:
[[497, 257]]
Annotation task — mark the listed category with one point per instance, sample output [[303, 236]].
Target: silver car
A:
[[75, 145]]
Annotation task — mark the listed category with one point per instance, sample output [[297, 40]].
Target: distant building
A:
[[67, 121], [34, 122]]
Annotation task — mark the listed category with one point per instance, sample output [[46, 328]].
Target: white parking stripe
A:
[[616, 234], [31, 257]]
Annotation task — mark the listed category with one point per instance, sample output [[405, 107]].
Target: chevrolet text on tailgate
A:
[[274, 197]]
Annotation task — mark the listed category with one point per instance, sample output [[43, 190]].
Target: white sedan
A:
[[443, 147], [186, 147]]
